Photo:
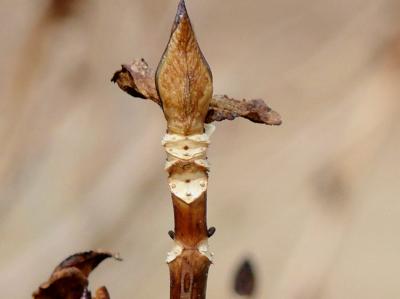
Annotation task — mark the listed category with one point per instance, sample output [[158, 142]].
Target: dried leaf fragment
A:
[[69, 279], [244, 283], [86, 262], [67, 283], [137, 79], [256, 111]]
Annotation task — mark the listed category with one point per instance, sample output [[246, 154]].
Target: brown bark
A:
[[190, 221], [188, 275], [188, 272]]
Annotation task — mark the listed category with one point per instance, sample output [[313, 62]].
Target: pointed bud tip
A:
[[182, 7], [181, 11]]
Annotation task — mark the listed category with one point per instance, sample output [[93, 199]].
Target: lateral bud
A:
[[211, 231]]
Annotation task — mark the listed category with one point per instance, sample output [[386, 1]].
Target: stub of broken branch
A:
[[69, 279], [137, 79]]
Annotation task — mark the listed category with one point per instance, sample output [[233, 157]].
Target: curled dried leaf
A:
[[86, 262], [244, 283], [137, 79], [69, 279]]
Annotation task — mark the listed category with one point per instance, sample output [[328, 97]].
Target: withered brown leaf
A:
[[224, 107], [137, 79], [183, 79], [244, 283], [69, 279]]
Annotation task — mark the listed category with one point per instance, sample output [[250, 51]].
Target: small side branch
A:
[[137, 79]]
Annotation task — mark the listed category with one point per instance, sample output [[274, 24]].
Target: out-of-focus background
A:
[[314, 203]]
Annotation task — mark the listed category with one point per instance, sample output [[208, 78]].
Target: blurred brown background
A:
[[314, 203]]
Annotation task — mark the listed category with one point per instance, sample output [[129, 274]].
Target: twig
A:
[[182, 87]]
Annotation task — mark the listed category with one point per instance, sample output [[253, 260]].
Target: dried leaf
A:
[[67, 283], [221, 107], [69, 279], [86, 262], [245, 279], [183, 79], [257, 111], [137, 79]]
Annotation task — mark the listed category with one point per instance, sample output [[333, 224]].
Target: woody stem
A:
[[188, 272]]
